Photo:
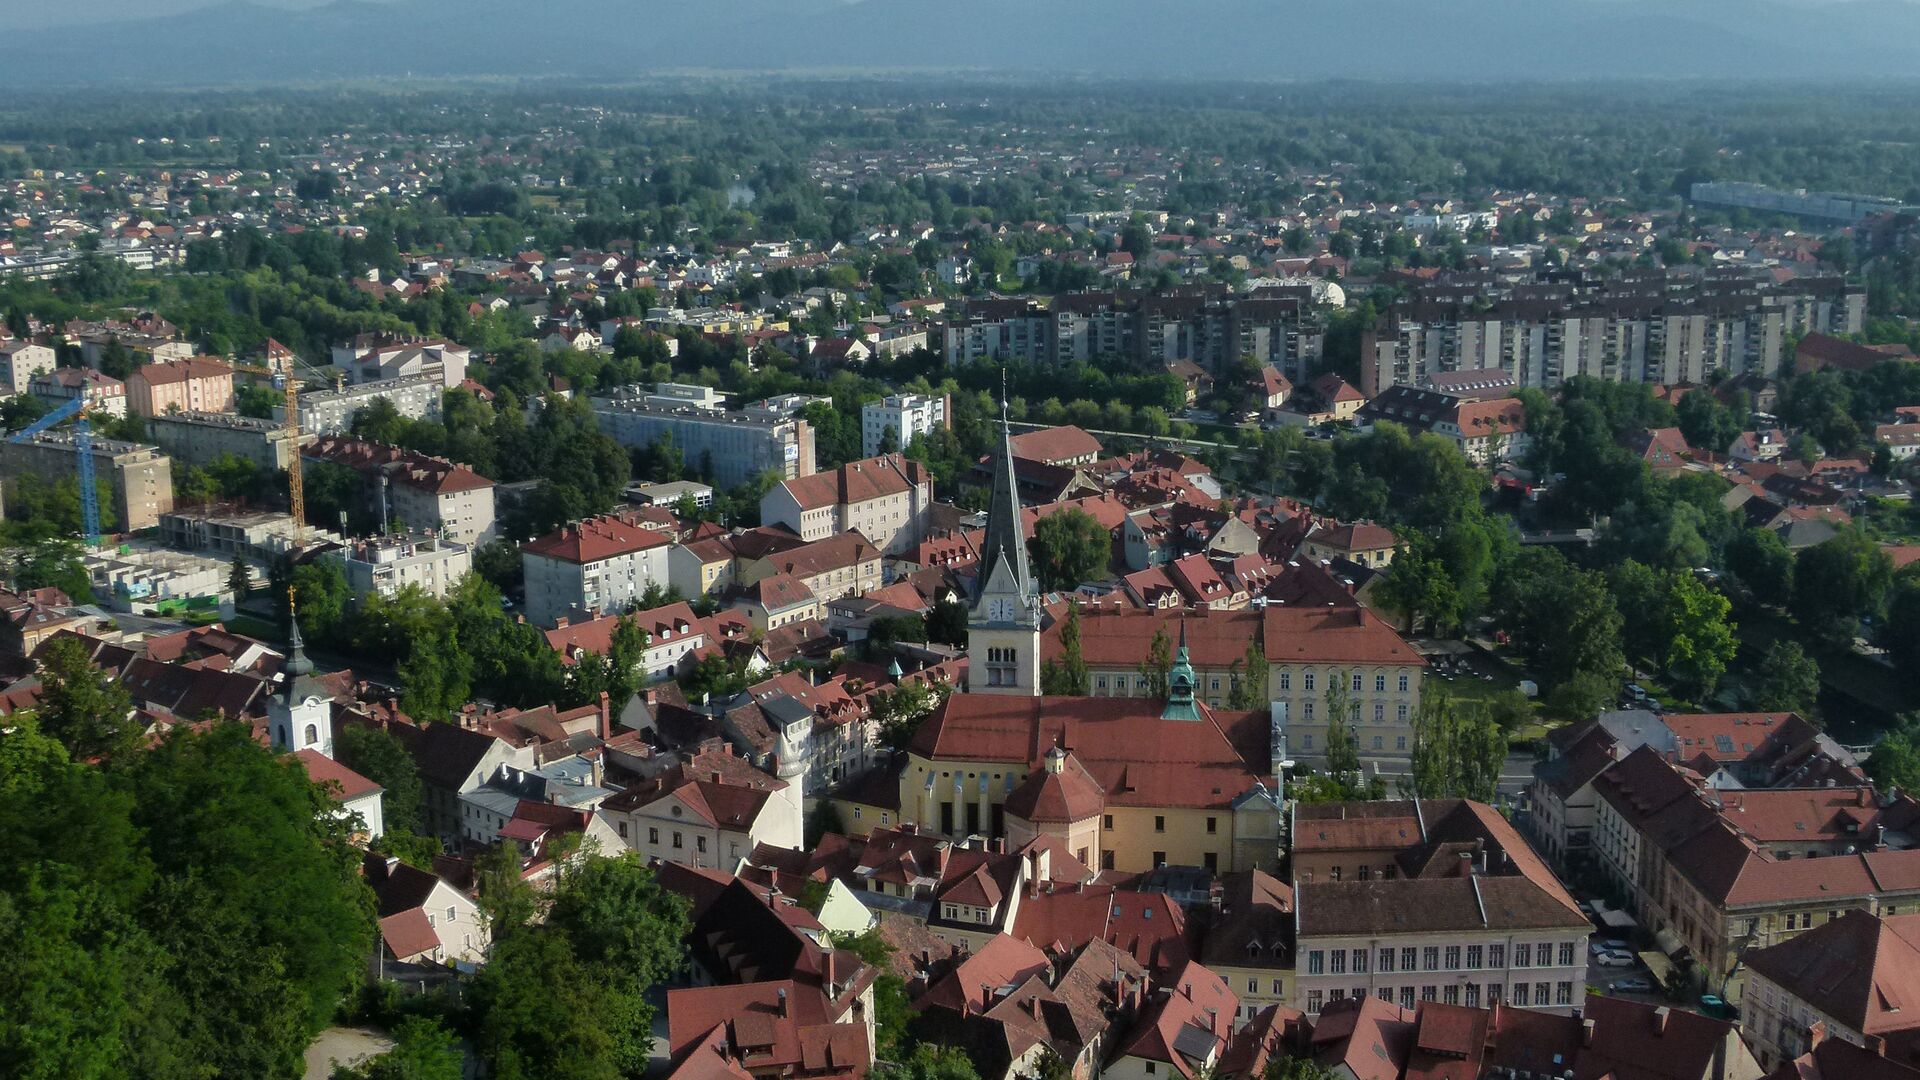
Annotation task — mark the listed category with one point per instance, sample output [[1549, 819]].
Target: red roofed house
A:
[[421, 491], [423, 919], [776, 1030], [711, 810], [603, 564], [1182, 1033], [840, 565], [1365, 543], [1732, 870], [674, 634], [1065, 445], [1854, 975], [356, 794]]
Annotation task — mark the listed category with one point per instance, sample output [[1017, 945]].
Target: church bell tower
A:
[[1003, 627]]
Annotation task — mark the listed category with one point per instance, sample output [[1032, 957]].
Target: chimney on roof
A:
[[1816, 1034], [1586, 1032], [780, 998], [1660, 1016], [1877, 1044], [830, 980], [1466, 864]]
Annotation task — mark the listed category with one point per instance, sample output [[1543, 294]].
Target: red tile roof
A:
[[858, 482], [596, 539], [341, 782], [1056, 445], [1332, 635], [1137, 758]]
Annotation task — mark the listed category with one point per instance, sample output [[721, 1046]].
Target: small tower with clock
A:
[[300, 717], [1003, 629]]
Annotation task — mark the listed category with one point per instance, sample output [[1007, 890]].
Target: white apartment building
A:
[[602, 564], [382, 357], [20, 361], [199, 438], [907, 415], [330, 412], [386, 564]]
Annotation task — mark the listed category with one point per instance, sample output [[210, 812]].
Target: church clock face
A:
[[1000, 610]]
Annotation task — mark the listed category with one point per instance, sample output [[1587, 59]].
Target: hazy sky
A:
[[25, 14]]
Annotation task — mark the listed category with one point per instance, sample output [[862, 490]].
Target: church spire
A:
[[1004, 538], [1181, 704], [297, 662]]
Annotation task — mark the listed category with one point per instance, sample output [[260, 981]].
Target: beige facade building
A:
[[141, 477], [603, 564], [1317, 656], [887, 499], [199, 438], [199, 384], [1431, 900], [841, 565]]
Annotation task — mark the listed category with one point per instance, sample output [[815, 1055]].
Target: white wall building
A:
[[907, 414]]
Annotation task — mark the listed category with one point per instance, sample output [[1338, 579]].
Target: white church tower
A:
[[1003, 628], [300, 717]]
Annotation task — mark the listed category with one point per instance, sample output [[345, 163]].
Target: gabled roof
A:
[[1056, 445], [596, 539], [858, 482], [1862, 970]]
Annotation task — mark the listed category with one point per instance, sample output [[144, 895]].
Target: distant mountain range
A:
[[1466, 40]]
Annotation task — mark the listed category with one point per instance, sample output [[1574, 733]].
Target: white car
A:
[[1612, 958]]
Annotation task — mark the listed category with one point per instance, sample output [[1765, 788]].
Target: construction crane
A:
[[76, 410], [296, 485]]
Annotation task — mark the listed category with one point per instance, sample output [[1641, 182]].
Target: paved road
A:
[[343, 1046]]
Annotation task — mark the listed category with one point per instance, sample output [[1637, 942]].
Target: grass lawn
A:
[[254, 628]]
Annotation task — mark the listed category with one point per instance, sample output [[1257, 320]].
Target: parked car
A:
[[1634, 985], [1614, 944], [1611, 958]]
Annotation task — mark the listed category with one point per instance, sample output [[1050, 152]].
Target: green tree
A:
[[616, 916], [929, 1062], [239, 579], [1249, 689], [1070, 547], [86, 709], [1457, 750], [53, 563], [1786, 680], [378, 756], [899, 711], [1699, 639], [947, 623], [283, 894], [1837, 582], [422, 1050], [1895, 761], [1417, 585], [1066, 676], [1159, 663], [1759, 559]]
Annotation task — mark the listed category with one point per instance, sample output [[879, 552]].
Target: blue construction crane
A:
[[75, 409]]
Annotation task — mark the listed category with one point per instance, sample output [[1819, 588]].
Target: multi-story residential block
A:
[[22, 361], [414, 489], [383, 357], [104, 393], [1656, 327], [702, 567], [330, 411], [1206, 325], [1724, 872], [199, 384], [1430, 900], [906, 415], [839, 565], [1487, 430], [1317, 656], [141, 477], [386, 564], [150, 348], [1848, 979], [199, 438], [711, 810], [888, 500], [603, 564], [727, 448]]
